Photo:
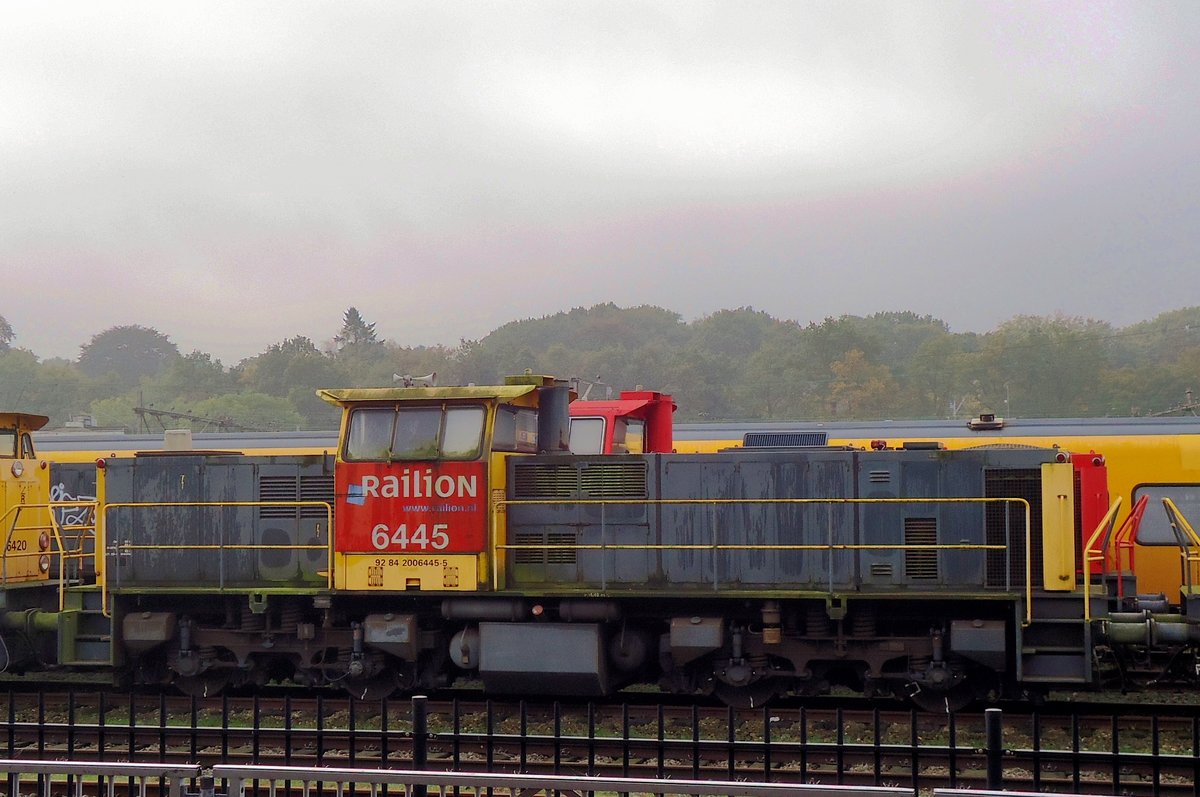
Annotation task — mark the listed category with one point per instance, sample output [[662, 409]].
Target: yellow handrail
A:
[[57, 547], [1186, 538], [500, 514], [1092, 554], [327, 547]]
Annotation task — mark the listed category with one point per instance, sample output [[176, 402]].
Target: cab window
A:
[[1155, 529], [414, 433], [515, 429], [8, 443], [587, 435], [629, 437], [27, 446]]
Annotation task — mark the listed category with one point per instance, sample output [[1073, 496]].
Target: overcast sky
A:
[[237, 173]]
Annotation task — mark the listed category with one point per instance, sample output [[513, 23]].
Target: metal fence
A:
[[1150, 750]]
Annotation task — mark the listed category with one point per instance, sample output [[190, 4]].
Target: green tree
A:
[[252, 411], [192, 377], [129, 352], [267, 372], [6, 334], [356, 332], [861, 389]]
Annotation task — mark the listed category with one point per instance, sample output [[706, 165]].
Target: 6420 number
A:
[[422, 537]]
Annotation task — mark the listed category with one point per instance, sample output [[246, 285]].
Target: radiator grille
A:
[[770, 439], [625, 480], [294, 488], [541, 556], [587, 480], [544, 482], [560, 556], [920, 565], [529, 556], [316, 488], [1005, 526]]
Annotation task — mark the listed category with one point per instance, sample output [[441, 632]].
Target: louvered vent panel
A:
[[881, 570], [277, 488], [529, 556], [315, 488], [543, 482], [880, 476], [614, 480], [769, 439], [921, 565], [560, 556]]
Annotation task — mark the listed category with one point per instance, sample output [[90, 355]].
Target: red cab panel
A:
[[411, 507]]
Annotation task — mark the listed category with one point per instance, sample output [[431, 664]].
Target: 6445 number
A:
[[422, 537]]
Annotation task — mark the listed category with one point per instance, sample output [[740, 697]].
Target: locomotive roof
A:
[[502, 393]]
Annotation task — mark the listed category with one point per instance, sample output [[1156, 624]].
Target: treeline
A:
[[734, 364]]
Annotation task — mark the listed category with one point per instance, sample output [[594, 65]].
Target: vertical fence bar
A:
[[993, 724], [351, 737], [100, 725], [12, 738], [766, 734], [71, 716], [841, 745], [1036, 724], [490, 724], [162, 726], [420, 735], [952, 729], [591, 735], [524, 723], [731, 735], [1156, 764], [803, 745], [1116, 757], [625, 736], [194, 716], [877, 735], [662, 751], [695, 742], [558, 739], [1076, 775], [319, 738], [913, 749]]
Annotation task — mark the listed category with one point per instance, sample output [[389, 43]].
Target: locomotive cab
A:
[[26, 496], [416, 467]]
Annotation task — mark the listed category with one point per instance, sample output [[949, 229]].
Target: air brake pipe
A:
[[31, 621]]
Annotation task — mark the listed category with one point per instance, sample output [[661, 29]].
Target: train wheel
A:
[[205, 684], [753, 695], [371, 689], [945, 701]]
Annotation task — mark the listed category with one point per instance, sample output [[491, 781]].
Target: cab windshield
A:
[[8, 443], [414, 433]]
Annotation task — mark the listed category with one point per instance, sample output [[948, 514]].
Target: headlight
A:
[[17, 468]]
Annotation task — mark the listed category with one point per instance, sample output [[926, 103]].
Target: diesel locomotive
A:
[[452, 533]]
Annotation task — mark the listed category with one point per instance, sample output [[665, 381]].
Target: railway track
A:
[[1153, 750]]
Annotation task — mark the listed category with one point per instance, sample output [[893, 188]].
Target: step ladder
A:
[[85, 634]]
